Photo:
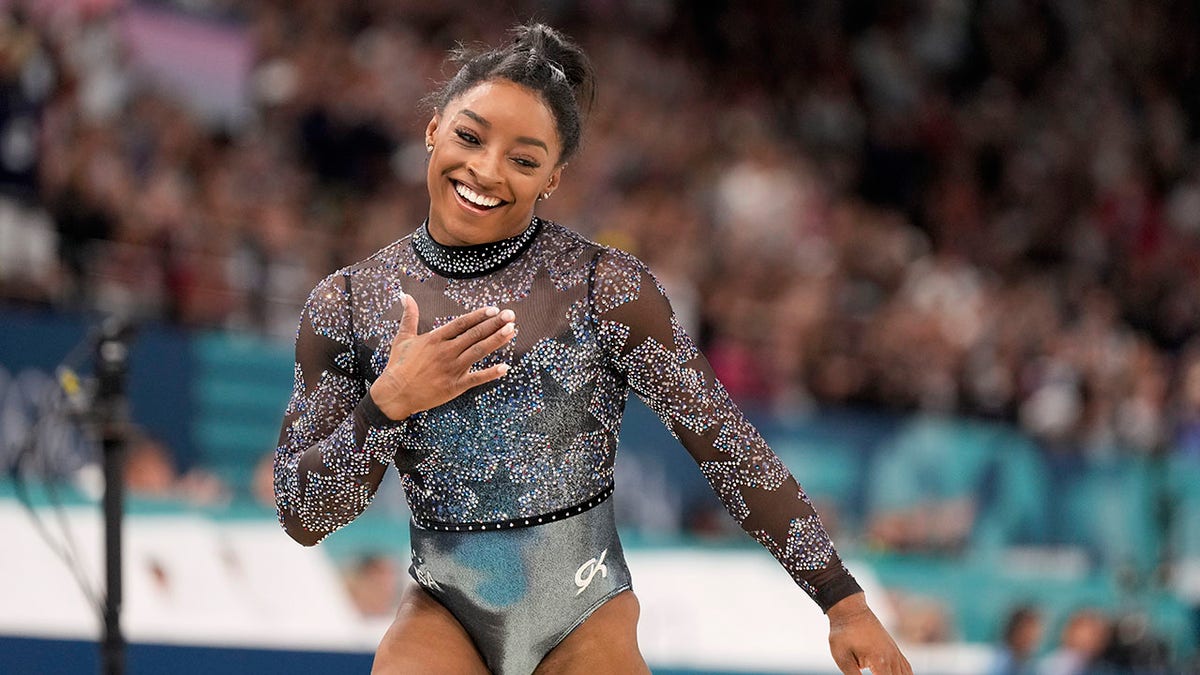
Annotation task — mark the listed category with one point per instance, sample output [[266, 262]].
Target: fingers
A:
[[464, 340], [478, 377], [490, 343], [465, 322], [485, 337], [890, 664], [408, 322], [846, 661], [849, 669]]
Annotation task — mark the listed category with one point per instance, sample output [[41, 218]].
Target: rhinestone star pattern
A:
[[592, 323], [329, 459]]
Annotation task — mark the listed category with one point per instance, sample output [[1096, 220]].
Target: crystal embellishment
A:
[[466, 262]]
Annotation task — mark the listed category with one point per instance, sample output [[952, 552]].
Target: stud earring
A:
[[546, 195], [429, 147]]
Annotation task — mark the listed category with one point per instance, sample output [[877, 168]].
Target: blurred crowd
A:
[[987, 208], [1088, 641]]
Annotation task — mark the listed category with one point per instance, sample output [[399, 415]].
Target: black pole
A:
[[112, 361]]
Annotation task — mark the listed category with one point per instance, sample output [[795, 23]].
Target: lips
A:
[[475, 200]]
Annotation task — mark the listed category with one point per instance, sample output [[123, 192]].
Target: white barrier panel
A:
[[191, 580], [187, 580], [738, 610], [727, 610]]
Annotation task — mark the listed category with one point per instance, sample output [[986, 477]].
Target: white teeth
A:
[[474, 197]]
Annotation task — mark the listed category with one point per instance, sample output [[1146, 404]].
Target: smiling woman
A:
[[504, 438], [495, 152]]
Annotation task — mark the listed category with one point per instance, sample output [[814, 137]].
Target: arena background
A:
[[943, 252]]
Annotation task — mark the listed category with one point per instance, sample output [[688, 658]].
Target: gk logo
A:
[[590, 568]]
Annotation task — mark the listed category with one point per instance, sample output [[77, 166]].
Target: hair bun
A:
[[549, 48]]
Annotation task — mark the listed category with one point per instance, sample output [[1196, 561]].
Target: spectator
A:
[[150, 472], [1135, 649], [1082, 642], [374, 586], [1019, 643]]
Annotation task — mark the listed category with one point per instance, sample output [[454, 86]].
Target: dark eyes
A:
[[471, 139]]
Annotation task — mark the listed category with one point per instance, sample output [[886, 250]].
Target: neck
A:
[[471, 260], [471, 236]]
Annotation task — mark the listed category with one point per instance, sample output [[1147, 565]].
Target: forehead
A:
[[509, 108]]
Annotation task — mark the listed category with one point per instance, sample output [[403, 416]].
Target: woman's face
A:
[[495, 150]]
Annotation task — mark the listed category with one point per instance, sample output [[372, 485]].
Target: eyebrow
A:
[[526, 140]]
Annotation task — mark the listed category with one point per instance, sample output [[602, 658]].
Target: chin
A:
[[464, 227]]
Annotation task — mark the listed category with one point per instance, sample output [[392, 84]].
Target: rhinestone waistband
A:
[[531, 521]]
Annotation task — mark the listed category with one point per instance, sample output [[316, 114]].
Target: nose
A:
[[484, 167]]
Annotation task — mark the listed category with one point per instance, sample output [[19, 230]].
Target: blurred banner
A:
[[33, 344], [203, 61]]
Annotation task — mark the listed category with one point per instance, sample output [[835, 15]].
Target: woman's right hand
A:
[[424, 371]]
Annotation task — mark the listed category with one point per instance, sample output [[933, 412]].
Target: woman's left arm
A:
[[664, 367]]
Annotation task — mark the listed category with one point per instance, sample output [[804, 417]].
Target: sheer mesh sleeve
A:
[[335, 443], [664, 367]]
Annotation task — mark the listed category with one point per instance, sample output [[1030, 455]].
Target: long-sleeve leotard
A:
[[592, 323]]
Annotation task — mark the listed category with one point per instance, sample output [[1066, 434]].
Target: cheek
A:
[[529, 187], [439, 163]]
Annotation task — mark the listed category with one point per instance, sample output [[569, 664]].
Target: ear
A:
[[555, 176], [431, 129]]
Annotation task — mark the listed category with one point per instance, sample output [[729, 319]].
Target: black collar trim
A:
[[467, 262]]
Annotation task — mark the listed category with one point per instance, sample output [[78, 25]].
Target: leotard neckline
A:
[[466, 262]]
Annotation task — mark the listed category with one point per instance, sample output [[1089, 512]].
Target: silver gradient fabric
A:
[[520, 591]]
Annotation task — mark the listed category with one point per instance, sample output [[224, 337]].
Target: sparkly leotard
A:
[[535, 447]]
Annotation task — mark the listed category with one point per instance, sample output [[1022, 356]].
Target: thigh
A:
[[426, 638], [605, 643]]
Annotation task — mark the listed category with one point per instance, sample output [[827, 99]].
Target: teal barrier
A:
[[240, 390]]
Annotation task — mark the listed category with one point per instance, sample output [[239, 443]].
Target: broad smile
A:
[[473, 200]]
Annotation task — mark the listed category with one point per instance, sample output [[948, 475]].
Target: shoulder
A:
[[398, 252], [618, 277], [380, 263], [556, 238], [609, 258], [339, 284], [613, 260]]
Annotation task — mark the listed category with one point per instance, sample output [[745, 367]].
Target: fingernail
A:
[[508, 328], [508, 315], [492, 311], [503, 367]]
